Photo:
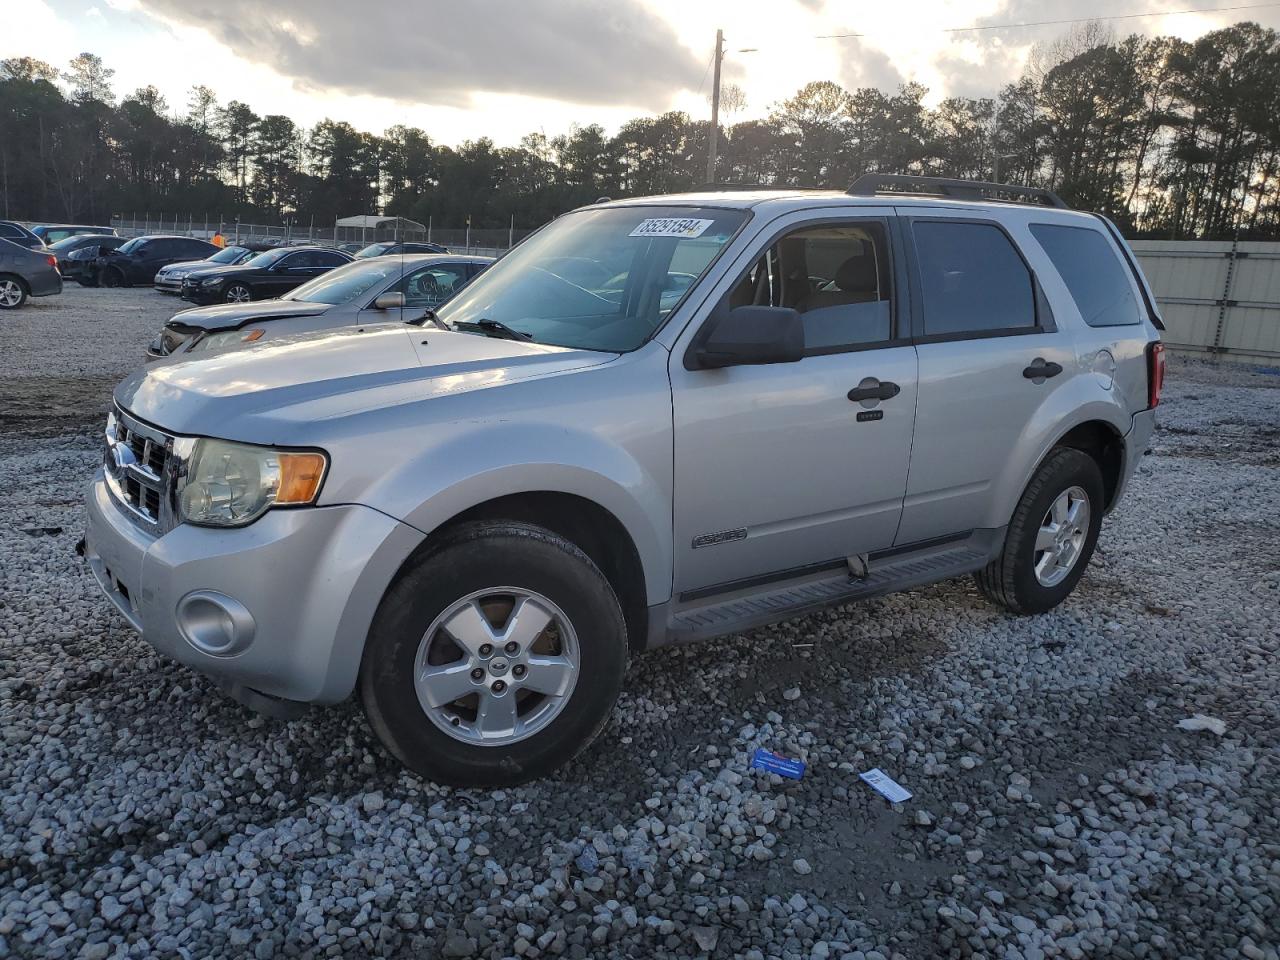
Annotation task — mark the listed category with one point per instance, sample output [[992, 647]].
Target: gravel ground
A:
[[1059, 809]]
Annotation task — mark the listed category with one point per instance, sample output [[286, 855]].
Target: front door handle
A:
[[1042, 369], [873, 389]]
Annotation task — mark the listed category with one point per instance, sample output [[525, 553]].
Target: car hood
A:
[[228, 316], [224, 268], [188, 265], [295, 390]]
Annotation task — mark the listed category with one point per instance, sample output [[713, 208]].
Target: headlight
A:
[[227, 338], [211, 282], [233, 484]]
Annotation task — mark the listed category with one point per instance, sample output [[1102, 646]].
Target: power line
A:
[[1046, 23]]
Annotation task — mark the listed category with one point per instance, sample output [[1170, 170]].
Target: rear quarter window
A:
[[1095, 277]]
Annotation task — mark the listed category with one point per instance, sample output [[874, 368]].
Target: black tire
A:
[[475, 557], [12, 286], [1010, 580], [112, 277], [248, 293], [87, 279]]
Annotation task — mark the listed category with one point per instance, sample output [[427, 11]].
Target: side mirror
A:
[[389, 301], [747, 336]]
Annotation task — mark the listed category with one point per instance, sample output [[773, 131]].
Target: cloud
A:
[[862, 65], [611, 52]]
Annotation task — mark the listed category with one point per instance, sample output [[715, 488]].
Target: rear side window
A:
[[1097, 280], [8, 230], [972, 280]]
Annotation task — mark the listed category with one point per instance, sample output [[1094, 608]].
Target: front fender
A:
[[492, 460]]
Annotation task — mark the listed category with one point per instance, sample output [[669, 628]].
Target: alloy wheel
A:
[[10, 294], [1061, 537], [238, 294], [497, 666]]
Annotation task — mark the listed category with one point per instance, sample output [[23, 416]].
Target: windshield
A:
[[598, 279], [265, 259], [228, 255], [70, 243], [374, 250], [132, 245], [347, 282]]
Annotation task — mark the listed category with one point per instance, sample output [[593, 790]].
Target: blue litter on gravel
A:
[[782, 766]]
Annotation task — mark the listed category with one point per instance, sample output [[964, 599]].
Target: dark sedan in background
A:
[[76, 253], [267, 275], [26, 273], [169, 279], [51, 233], [140, 259], [390, 248]]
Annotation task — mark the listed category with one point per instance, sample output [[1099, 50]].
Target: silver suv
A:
[[655, 420]]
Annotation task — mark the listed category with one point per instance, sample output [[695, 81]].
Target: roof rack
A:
[[873, 184]]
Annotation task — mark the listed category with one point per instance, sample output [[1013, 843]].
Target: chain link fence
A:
[[484, 242]]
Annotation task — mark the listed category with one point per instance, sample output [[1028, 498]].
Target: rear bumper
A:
[[1136, 442], [45, 284], [296, 591]]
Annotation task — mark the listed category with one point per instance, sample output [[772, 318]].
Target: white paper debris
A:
[[885, 785], [1200, 722], [686, 227]]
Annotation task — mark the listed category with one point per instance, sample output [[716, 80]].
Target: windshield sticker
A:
[[671, 227]]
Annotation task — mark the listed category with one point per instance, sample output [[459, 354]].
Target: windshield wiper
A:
[[429, 316], [492, 328]]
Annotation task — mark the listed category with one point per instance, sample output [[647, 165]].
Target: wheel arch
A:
[[1105, 444], [592, 528]]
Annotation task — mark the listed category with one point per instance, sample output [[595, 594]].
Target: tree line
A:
[[1170, 138]]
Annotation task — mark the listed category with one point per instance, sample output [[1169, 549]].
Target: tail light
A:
[[53, 261], [1155, 373]]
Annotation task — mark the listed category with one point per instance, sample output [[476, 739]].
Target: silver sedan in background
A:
[[375, 290]]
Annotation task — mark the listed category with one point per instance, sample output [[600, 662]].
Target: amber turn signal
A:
[[300, 477]]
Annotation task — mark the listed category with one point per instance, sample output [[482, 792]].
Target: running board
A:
[[900, 571]]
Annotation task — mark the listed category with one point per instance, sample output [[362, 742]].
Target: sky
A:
[[504, 68]]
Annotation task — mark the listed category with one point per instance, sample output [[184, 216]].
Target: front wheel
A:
[[495, 658], [1051, 536], [238, 293], [111, 277]]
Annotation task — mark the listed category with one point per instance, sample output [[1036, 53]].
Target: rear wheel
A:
[[238, 293], [1051, 537], [13, 293], [496, 658]]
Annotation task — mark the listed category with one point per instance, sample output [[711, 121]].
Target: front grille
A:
[[137, 466]]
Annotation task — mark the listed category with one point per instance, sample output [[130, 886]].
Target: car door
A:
[[781, 467], [156, 254], [983, 331]]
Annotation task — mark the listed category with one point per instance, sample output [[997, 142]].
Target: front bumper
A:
[[194, 293], [168, 284], [303, 587]]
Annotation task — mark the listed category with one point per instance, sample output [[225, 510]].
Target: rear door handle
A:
[[1042, 369], [873, 389]]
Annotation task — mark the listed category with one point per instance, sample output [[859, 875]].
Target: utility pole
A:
[[713, 139]]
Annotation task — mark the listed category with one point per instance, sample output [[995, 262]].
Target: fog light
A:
[[214, 623]]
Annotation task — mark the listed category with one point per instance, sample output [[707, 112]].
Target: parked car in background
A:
[[76, 251], [476, 523], [17, 233], [377, 290], [351, 248], [140, 259], [390, 248], [169, 279], [269, 274], [51, 233], [26, 273]]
